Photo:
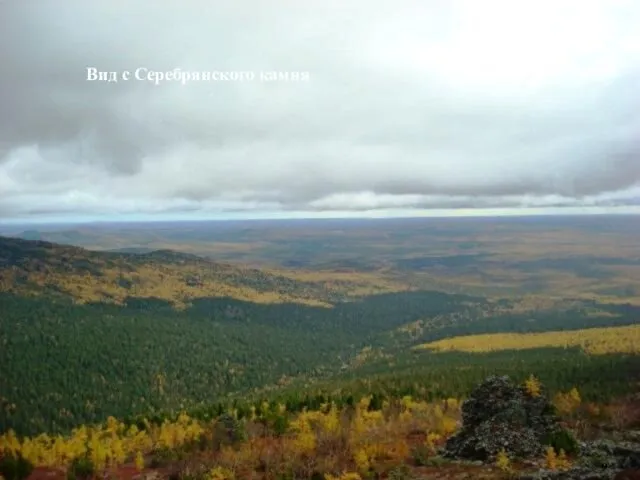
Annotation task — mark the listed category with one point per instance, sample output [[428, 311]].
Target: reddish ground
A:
[[124, 472]]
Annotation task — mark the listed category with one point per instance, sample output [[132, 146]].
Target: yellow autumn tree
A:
[[344, 476], [220, 473], [139, 461], [502, 461], [361, 459], [562, 461], [567, 403], [532, 386], [551, 459]]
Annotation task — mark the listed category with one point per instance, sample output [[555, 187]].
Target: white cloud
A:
[[413, 105]]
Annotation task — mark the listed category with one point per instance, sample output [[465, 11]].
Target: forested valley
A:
[[85, 341]]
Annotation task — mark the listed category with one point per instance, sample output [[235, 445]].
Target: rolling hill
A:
[[39, 267]]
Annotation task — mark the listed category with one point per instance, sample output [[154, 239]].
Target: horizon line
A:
[[337, 215]]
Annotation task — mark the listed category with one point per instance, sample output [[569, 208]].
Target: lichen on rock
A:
[[501, 415]]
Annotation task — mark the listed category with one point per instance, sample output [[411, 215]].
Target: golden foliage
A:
[[177, 281], [595, 341], [551, 459], [352, 284], [509, 246], [220, 473], [305, 440], [431, 442], [503, 462], [344, 476], [562, 461], [532, 386], [106, 445], [364, 441], [361, 459], [567, 403], [555, 461], [139, 461]]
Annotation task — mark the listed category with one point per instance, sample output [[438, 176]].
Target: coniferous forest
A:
[[66, 363], [84, 342]]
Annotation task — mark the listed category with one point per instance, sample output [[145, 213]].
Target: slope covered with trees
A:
[[37, 268], [69, 357], [63, 363]]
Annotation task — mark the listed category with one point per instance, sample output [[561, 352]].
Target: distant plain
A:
[[550, 258]]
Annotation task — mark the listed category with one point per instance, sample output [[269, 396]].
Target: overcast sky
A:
[[409, 107]]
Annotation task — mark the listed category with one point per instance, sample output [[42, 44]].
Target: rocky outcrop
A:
[[500, 415], [599, 460]]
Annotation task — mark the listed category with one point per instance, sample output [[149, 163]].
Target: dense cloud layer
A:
[[410, 105]]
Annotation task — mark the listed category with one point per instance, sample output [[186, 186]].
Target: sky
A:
[[432, 107]]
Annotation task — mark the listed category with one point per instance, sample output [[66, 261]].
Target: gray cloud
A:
[[414, 105]]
